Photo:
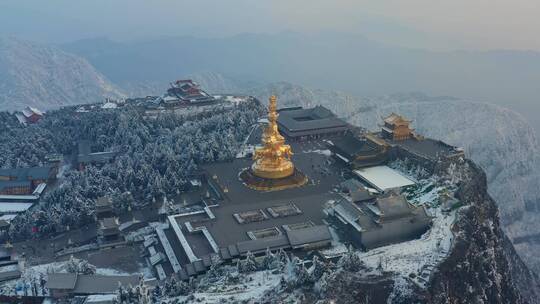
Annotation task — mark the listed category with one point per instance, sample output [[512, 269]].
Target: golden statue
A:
[[273, 168], [273, 159]]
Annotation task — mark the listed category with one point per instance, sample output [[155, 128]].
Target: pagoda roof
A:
[[396, 119]]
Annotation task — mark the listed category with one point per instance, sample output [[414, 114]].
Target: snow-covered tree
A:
[[351, 262], [249, 264], [270, 260], [80, 266], [318, 268]]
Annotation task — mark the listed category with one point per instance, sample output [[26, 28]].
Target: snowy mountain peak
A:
[[47, 77]]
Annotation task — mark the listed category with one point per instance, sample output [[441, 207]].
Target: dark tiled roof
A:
[[355, 215], [353, 146], [109, 223], [98, 157], [224, 253], [14, 184], [317, 118], [182, 274], [427, 147], [309, 235], [233, 251], [99, 284], [207, 260], [361, 195], [394, 206], [86, 155], [22, 174], [349, 208], [103, 201], [190, 269], [10, 275], [352, 185], [276, 242], [199, 266], [61, 281]]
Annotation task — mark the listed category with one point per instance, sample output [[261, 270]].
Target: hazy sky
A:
[[438, 24]]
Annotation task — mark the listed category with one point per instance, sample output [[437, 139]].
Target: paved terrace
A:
[[226, 231]]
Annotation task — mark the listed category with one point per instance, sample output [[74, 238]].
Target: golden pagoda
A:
[[273, 159], [273, 168]]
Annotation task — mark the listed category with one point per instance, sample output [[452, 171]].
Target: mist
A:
[[363, 47]]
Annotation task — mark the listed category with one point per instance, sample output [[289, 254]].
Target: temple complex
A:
[[251, 205], [273, 168]]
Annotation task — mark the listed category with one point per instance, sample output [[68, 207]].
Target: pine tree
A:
[[351, 262], [318, 268], [302, 277], [250, 263], [270, 260]]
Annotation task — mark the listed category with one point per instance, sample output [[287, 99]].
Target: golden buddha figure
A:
[[273, 159], [273, 168]]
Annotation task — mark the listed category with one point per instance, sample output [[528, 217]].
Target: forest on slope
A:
[[156, 157]]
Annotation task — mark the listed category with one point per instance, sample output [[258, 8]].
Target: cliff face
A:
[[482, 266]]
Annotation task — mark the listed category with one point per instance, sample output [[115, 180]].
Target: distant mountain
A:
[[330, 61], [47, 77], [499, 140]]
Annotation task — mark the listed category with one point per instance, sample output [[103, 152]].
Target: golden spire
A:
[[273, 159]]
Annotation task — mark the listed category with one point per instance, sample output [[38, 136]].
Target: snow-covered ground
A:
[[33, 274], [251, 288], [416, 257]]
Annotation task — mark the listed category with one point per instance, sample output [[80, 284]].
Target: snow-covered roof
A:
[[383, 178], [8, 217], [396, 119], [170, 99], [14, 207], [19, 197], [20, 118], [100, 299], [39, 189], [109, 105], [29, 111]]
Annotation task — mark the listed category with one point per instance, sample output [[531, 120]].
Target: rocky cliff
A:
[[482, 266], [47, 77]]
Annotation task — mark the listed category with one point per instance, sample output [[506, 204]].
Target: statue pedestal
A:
[[296, 179]]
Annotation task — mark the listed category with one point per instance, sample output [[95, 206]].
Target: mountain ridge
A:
[[47, 77]]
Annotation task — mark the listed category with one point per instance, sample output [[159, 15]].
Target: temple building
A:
[[358, 152], [23, 181], [396, 127], [273, 168], [387, 220], [300, 124], [186, 91]]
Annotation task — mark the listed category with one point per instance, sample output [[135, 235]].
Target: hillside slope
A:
[[47, 77]]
